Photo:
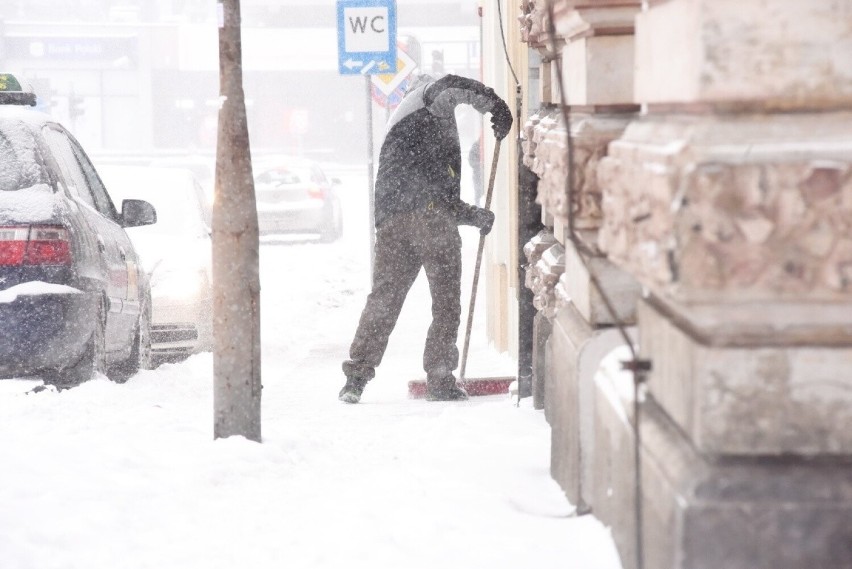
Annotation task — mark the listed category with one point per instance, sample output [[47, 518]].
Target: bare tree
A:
[[236, 282]]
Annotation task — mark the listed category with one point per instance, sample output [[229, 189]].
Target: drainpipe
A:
[[529, 225]]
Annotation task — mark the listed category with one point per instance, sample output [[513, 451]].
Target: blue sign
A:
[[366, 37]]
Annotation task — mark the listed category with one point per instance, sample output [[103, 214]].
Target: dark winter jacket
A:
[[420, 160]]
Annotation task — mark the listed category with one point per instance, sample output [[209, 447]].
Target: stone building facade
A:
[[709, 212]]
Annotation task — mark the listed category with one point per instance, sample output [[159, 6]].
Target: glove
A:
[[483, 219], [501, 119]]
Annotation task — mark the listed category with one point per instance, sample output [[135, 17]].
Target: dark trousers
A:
[[404, 243]]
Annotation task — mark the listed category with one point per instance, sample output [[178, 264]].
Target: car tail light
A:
[[13, 245], [316, 193], [34, 245]]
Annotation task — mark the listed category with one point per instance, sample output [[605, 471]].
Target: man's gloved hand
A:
[[501, 119], [483, 219]]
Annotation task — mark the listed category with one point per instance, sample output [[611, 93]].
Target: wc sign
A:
[[366, 37]]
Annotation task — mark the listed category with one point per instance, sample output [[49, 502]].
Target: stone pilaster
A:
[[741, 56], [593, 47], [542, 276], [533, 250], [741, 228], [730, 201], [704, 513]]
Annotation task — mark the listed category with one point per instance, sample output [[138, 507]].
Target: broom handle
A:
[[478, 263]]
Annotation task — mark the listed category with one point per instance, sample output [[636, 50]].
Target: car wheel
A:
[[140, 353], [332, 227], [93, 359]]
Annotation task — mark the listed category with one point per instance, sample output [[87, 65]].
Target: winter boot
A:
[[351, 392], [444, 389]]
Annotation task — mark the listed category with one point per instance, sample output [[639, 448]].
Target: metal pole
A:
[[478, 263]]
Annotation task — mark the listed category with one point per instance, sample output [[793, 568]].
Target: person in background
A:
[[474, 158], [417, 211]]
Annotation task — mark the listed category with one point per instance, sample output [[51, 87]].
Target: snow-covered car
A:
[[73, 298], [295, 196], [176, 254]]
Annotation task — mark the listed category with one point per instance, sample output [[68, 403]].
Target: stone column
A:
[[593, 47], [730, 200]]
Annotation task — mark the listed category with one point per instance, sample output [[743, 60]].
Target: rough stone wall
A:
[[545, 149], [729, 198], [725, 224]]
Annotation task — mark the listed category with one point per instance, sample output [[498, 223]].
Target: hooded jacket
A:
[[420, 159]]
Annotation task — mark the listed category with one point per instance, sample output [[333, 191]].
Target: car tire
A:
[[93, 359], [332, 227], [141, 356]]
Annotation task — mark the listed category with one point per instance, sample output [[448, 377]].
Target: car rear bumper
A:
[[44, 331], [181, 329], [284, 220]]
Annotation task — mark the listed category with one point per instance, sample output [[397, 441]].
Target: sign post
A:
[[366, 45]]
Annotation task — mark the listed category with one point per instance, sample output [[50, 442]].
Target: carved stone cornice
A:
[[589, 18], [545, 153], [562, 297], [733, 209], [548, 270], [534, 25], [575, 19], [543, 276], [533, 250]]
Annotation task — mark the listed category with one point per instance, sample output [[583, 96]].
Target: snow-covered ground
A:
[[104, 475]]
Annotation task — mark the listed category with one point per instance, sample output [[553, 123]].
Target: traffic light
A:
[[75, 106]]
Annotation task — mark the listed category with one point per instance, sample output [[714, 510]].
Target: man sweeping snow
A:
[[418, 210]]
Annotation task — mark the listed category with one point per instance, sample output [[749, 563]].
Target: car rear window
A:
[[20, 163]]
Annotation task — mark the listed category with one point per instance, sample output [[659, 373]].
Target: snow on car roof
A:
[[29, 205], [25, 193], [20, 166], [29, 115]]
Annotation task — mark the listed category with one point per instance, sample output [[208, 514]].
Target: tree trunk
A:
[[236, 282]]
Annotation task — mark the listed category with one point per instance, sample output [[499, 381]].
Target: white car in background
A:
[[294, 195], [176, 254]]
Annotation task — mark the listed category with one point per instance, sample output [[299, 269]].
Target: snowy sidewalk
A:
[[105, 475], [421, 484]]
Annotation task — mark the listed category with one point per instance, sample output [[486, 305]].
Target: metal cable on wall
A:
[[638, 367]]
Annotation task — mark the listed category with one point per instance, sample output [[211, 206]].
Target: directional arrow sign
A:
[[366, 36]]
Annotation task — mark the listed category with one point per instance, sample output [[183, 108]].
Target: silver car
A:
[[295, 196]]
